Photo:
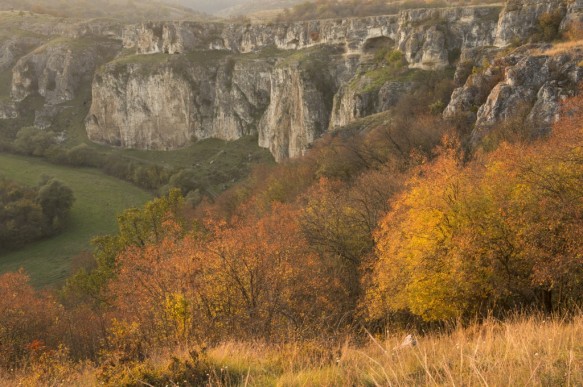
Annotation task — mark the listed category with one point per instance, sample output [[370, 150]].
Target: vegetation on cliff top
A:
[[333, 9]]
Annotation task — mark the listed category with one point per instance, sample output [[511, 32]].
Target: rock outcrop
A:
[[288, 102], [52, 58], [159, 85], [57, 69], [520, 19], [165, 102], [526, 82], [14, 47], [426, 36], [361, 98], [300, 103], [8, 110]]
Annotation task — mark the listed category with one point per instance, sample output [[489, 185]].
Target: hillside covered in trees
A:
[[422, 224], [376, 228]]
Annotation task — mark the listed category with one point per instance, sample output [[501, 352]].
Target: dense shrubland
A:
[[31, 213], [204, 177], [390, 223]]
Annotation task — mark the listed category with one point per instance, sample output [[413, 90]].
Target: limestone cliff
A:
[[525, 82], [160, 85], [300, 103], [8, 110], [535, 83], [165, 102], [14, 47], [426, 36], [57, 69], [362, 98], [52, 58], [286, 100], [520, 19]]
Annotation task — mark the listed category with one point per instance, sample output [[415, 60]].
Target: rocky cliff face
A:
[[300, 102], [362, 98], [14, 47], [57, 69], [525, 82], [172, 82], [520, 19], [426, 36], [166, 102], [8, 110], [52, 58], [163, 102], [287, 100]]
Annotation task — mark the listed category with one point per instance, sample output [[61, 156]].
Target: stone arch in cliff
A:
[[372, 45]]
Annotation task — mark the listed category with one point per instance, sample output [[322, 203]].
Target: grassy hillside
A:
[[99, 198], [531, 351], [524, 351]]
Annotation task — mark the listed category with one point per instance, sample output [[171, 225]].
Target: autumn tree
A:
[[498, 233], [28, 320], [56, 200], [251, 278], [136, 228]]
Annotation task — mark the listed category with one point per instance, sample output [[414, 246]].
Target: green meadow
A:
[[99, 199]]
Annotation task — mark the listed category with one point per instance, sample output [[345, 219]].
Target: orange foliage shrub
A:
[[252, 277], [27, 320], [499, 233]]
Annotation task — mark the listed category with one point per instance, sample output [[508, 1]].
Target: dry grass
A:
[[525, 351], [560, 48], [528, 351]]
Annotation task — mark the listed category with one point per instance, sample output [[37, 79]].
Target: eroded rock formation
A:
[[161, 85]]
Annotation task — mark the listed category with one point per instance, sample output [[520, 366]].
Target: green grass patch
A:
[[204, 56], [149, 64], [11, 19], [99, 198], [145, 59], [266, 53], [309, 55], [217, 164], [6, 33], [378, 77], [75, 43], [5, 83]]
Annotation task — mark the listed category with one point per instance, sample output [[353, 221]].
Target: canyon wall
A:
[[162, 85]]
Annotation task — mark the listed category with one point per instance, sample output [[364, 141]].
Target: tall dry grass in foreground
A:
[[522, 352]]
